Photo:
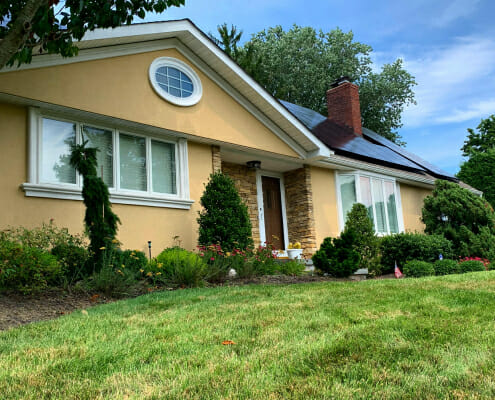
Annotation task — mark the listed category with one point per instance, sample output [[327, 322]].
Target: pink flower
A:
[[212, 258]]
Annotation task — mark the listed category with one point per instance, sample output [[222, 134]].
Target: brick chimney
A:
[[343, 104]]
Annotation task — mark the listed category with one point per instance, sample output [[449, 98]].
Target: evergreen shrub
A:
[[471, 266], [224, 219], [416, 269], [367, 244], [338, 256], [446, 267], [403, 247]]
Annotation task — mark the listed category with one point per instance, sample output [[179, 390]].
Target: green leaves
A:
[[54, 32], [300, 64]]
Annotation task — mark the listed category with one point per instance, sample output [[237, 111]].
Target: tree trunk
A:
[[18, 34]]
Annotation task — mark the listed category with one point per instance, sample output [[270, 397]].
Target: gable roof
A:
[[211, 59], [371, 147]]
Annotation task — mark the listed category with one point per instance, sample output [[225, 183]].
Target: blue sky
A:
[[448, 45]]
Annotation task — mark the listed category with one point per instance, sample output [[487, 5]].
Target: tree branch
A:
[[19, 33]]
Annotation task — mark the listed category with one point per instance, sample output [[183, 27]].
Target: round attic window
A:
[[175, 81]]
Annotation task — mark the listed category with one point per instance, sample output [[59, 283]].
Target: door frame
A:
[[261, 208]]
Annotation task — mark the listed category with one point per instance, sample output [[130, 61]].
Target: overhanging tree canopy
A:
[[52, 25]]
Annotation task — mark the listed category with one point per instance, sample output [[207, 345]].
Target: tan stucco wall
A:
[[139, 223], [324, 204], [412, 202], [119, 87]]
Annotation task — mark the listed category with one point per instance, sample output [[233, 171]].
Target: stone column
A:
[[216, 159], [299, 205], [245, 183]]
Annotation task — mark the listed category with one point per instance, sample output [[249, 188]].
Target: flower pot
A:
[[294, 254]]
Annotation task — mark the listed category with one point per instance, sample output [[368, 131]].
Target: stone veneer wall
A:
[[299, 206], [216, 159], [245, 182]]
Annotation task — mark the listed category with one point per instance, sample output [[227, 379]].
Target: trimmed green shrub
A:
[[404, 247], [471, 266], [73, 260], [367, 243], [416, 269], [337, 256], [291, 268], [224, 219], [462, 217], [446, 267], [27, 269], [178, 267]]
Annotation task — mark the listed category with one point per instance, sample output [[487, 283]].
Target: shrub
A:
[[367, 243], [112, 281], [264, 260], [446, 267], [27, 269], [44, 237], [460, 216], [224, 218], [178, 267], [73, 260], [291, 268], [416, 268], [131, 259], [99, 219], [337, 256], [218, 263], [405, 247], [471, 266]]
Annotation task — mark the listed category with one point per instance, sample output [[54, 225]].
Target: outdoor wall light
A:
[[255, 164]]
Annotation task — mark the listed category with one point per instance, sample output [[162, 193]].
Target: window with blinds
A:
[[377, 194], [126, 162]]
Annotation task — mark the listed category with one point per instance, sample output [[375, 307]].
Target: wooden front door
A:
[[272, 208]]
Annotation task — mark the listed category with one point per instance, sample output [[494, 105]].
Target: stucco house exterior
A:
[[167, 107]]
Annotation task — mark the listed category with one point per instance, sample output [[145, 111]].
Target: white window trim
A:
[[35, 188], [357, 174], [261, 209], [185, 69]]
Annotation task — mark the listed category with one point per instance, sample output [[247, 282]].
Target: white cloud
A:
[[455, 10], [453, 82]]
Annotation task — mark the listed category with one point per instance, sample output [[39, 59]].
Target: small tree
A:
[[338, 256], [366, 241], [101, 222], [461, 217], [224, 219]]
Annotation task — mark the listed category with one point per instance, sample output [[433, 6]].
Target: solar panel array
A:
[[370, 146]]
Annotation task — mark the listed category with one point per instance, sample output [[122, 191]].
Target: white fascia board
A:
[[133, 36]]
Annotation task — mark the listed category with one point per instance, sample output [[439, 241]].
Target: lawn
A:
[[431, 338]]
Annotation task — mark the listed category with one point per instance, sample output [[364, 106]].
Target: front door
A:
[[272, 207]]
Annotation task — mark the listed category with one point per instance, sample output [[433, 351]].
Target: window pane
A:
[[391, 207], [381, 223], [163, 167], [132, 162], [57, 137], [366, 199], [347, 193], [102, 140]]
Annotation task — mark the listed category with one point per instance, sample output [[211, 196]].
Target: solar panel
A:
[[370, 146], [410, 156], [343, 140]]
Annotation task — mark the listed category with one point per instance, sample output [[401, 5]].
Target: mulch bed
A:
[[18, 310]]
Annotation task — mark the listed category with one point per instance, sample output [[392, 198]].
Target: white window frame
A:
[[35, 187], [186, 70], [357, 175]]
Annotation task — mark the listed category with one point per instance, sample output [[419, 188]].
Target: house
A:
[[167, 107]]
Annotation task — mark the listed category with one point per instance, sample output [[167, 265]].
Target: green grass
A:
[[431, 338]]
